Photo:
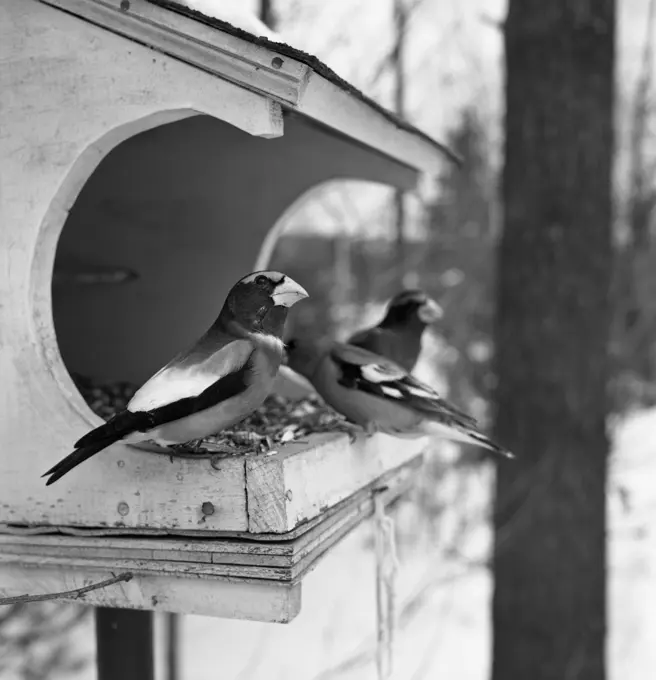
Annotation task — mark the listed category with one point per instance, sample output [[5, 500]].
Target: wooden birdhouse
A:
[[147, 153]]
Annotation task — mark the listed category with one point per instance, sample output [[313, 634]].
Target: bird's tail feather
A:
[[486, 442], [118, 426], [74, 459], [98, 439], [465, 434]]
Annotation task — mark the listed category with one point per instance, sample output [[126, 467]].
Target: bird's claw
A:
[[370, 430], [193, 447], [352, 431]]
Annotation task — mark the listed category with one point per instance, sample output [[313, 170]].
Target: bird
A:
[[217, 382], [398, 336], [378, 395]]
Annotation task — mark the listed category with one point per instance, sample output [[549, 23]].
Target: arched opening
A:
[[168, 221]]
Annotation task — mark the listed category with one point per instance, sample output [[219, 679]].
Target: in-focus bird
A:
[[379, 395], [217, 382], [398, 336]]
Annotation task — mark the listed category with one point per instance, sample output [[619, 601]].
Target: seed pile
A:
[[104, 399], [278, 421]]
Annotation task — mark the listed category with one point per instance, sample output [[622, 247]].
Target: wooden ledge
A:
[[152, 494], [247, 576]]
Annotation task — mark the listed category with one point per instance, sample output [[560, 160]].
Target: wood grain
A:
[[163, 568], [249, 600], [302, 480]]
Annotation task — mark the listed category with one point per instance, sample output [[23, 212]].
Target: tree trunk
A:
[[398, 62], [267, 14], [552, 332]]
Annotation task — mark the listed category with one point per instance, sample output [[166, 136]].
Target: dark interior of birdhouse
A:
[[164, 226]]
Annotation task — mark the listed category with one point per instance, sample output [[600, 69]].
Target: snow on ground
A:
[[337, 620], [339, 609]]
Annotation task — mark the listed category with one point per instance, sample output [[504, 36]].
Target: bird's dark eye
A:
[[261, 280], [291, 345]]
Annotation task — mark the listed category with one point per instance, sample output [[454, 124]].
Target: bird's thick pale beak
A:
[[430, 312], [287, 293]]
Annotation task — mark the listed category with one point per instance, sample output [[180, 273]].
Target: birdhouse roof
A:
[[318, 66], [296, 81]]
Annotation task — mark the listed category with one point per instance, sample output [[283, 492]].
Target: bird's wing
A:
[[368, 372], [376, 340], [364, 338], [192, 373], [179, 390]]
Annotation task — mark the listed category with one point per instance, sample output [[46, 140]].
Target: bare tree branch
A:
[[68, 594], [389, 59], [638, 219], [490, 21]]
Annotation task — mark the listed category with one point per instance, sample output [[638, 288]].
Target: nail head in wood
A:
[[207, 508]]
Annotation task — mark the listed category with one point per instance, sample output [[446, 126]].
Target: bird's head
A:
[[411, 306], [260, 301]]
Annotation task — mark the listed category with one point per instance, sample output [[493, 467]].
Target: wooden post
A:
[[124, 644], [172, 646]]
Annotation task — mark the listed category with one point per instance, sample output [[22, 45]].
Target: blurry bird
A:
[[378, 395], [225, 376], [398, 336]]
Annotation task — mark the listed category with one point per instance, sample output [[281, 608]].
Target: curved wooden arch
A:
[[52, 226]]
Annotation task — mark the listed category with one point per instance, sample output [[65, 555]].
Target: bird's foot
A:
[[351, 429], [193, 447], [370, 429]]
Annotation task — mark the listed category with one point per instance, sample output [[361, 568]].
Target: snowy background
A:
[[454, 60]]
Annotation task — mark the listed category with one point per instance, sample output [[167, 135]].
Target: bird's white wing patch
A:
[[422, 393], [392, 392], [183, 380], [376, 373]]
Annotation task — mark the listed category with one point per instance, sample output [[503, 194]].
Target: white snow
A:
[[234, 12]]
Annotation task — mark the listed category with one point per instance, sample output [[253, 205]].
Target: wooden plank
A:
[[173, 554], [268, 494], [225, 559], [162, 489], [136, 566], [204, 47], [261, 543], [174, 573], [250, 65], [300, 481], [125, 644], [250, 600]]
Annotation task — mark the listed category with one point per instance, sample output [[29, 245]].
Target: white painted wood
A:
[[301, 481], [61, 115], [175, 198], [105, 160], [328, 104], [250, 65], [148, 142], [255, 579], [219, 53], [249, 600]]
